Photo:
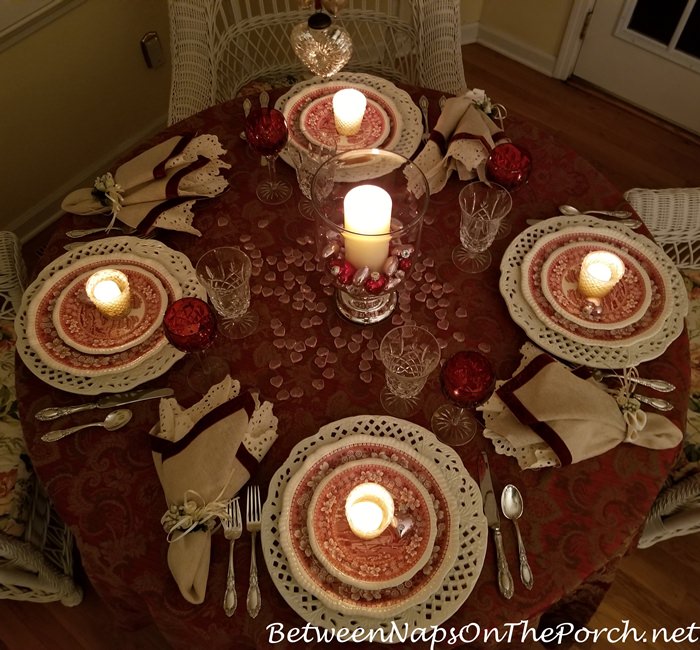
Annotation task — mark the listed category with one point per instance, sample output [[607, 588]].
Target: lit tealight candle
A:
[[600, 272], [369, 510], [367, 218], [348, 110], [108, 290]]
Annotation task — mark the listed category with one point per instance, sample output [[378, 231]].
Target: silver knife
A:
[[505, 580], [108, 402]]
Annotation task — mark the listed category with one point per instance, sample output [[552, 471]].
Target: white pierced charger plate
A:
[[459, 581], [563, 346], [403, 138], [176, 264], [360, 592]]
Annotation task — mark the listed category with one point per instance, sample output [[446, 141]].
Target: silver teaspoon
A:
[[571, 211], [512, 506], [114, 420], [657, 384]]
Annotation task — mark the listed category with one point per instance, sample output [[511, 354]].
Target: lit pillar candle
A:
[[367, 217], [108, 290], [369, 510], [348, 110], [600, 272]]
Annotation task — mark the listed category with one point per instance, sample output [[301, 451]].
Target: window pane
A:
[[656, 19], [689, 42]]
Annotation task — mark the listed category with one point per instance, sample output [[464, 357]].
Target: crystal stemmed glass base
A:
[[366, 309], [204, 371], [273, 191], [240, 327], [306, 209], [400, 407], [453, 425], [471, 262]]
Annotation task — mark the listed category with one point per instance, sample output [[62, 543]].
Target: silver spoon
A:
[[114, 420], [657, 384], [571, 211], [512, 506]]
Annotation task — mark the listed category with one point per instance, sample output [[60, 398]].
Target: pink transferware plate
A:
[[317, 121], [83, 327], [295, 107], [624, 305], [389, 559], [645, 327], [335, 592], [45, 340]]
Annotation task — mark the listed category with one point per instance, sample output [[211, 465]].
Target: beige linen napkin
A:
[[203, 456], [462, 139], [547, 416], [158, 187]]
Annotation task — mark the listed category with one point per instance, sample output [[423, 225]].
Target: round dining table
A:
[[316, 368]]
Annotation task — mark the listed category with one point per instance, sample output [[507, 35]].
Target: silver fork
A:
[[77, 234], [252, 524], [233, 529]]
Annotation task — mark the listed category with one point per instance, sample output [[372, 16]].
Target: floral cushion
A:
[[16, 477]]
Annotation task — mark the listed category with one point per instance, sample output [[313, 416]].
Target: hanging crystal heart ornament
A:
[[321, 45]]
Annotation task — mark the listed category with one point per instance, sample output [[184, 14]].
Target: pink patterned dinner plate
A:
[[624, 305], [644, 327], [81, 325], [317, 120], [388, 560], [294, 111], [45, 340], [335, 592]]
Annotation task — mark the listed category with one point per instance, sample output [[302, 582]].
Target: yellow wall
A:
[[470, 11], [539, 24], [74, 94]]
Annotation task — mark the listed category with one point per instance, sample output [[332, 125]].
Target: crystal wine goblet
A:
[[409, 354], [189, 324], [306, 160], [483, 206], [267, 133], [467, 379]]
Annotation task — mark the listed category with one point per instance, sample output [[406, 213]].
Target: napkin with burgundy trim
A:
[[203, 456], [461, 140], [157, 188], [546, 415]]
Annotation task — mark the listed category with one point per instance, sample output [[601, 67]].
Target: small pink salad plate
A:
[[317, 121], [388, 560], [623, 306], [79, 323]]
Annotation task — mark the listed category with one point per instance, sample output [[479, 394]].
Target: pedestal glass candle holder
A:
[[370, 205]]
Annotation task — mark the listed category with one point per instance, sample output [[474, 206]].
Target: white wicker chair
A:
[[218, 46], [673, 217], [38, 564]]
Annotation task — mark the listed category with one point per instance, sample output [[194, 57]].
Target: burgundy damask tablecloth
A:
[[316, 368]]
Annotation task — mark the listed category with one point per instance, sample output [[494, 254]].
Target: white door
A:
[[648, 53]]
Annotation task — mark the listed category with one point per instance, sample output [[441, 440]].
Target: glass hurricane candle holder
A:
[[370, 205]]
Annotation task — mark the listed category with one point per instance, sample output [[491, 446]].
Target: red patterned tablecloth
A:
[[315, 368]]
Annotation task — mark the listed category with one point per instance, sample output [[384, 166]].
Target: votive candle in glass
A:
[[108, 290], [367, 220], [349, 107], [600, 272], [369, 509]]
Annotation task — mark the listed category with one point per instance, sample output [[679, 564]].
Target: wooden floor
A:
[[657, 587]]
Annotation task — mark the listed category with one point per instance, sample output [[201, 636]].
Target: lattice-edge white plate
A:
[[594, 356], [177, 264], [459, 582], [411, 120]]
